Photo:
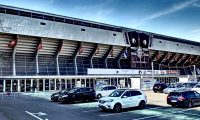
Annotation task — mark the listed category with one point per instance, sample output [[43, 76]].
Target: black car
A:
[[78, 94], [54, 96], [159, 87], [184, 98]]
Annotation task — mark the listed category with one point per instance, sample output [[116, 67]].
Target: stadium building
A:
[[52, 52]]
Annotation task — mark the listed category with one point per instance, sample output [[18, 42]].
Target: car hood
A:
[[108, 98], [169, 89]]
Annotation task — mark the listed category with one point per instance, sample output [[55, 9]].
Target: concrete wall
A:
[[32, 27], [164, 45]]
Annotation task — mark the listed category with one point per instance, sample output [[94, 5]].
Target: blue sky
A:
[[178, 18]]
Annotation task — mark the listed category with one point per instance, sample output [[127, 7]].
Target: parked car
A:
[[159, 87], [174, 88], [123, 98], [104, 90], [196, 88], [54, 96], [78, 94], [184, 98]]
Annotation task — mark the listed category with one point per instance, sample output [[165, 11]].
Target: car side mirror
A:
[[124, 96]]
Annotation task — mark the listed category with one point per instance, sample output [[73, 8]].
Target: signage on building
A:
[[100, 71]]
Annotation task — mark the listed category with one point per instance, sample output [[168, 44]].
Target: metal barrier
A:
[[9, 95]]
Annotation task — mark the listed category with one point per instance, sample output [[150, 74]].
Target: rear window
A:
[[175, 94], [111, 87]]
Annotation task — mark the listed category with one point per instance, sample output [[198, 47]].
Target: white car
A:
[[105, 90], [123, 98], [174, 88], [196, 88]]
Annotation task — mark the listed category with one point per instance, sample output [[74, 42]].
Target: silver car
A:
[[173, 88]]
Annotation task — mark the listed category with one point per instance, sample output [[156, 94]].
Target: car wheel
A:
[[141, 105], [189, 105], [117, 108], [155, 91], [99, 96]]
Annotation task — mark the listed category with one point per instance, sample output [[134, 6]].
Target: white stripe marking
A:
[[146, 117], [34, 115], [91, 110]]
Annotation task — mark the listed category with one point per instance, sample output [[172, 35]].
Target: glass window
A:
[[116, 93], [105, 88], [87, 89], [111, 87], [135, 93], [127, 93]]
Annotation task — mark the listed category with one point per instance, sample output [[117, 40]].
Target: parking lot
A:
[[37, 106]]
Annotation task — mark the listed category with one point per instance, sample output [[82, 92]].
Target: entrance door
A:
[[1, 85], [8, 85], [46, 84], [15, 85]]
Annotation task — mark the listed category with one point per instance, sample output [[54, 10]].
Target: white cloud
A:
[[174, 8], [196, 4]]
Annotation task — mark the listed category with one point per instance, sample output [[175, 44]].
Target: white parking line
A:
[[34, 115], [91, 110], [146, 117]]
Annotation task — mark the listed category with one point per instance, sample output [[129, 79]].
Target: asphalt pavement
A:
[[25, 107]]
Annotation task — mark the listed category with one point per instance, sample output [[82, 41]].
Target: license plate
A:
[[173, 100]]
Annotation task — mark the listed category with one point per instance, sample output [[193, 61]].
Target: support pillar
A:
[[11, 85], [65, 83], [38, 84], [43, 85], [49, 84], [31, 84], [60, 88], [25, 85], [55, 86], [4, 85], [18, 86]]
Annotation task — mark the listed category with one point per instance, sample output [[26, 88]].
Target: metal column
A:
[[25, 85], [55, 86], [11, 85], [18, 86], [4, 85], [49, 84], [43, 85]]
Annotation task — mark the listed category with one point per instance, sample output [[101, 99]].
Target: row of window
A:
[[57, 19]]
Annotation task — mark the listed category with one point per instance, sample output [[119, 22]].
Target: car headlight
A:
[[56, 95], [64, 96], [110, 100]]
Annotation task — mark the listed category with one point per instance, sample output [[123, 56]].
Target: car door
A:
[[110, 90], [136, 97], [126, 99], [194, 97], [104, 91], [197, 97]]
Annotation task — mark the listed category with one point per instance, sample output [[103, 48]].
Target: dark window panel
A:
[[103, 27], [77, 22], [58, 19], [69, 21], [95, 26], [118, 29], [47, 17], [110, 28], [25, 14], [2, 10], [86, 24], [39, 16], [13, 12]]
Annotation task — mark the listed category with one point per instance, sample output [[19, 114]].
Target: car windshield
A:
[[73, 90], [171, 86], [116, 93], [99, 88]]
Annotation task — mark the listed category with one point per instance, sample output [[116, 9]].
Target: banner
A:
[[101, 71]]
